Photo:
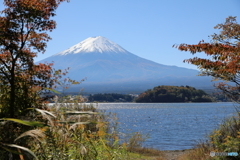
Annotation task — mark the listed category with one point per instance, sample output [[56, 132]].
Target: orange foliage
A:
[[224, 50], [23, 34]]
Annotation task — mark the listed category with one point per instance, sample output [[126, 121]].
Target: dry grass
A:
[[148, 152], [200, 152], [196, 154]]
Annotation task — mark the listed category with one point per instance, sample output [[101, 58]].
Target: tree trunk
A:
[[12, 93]]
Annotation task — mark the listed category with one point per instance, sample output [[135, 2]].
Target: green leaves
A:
[[27, 123], [53, 90]]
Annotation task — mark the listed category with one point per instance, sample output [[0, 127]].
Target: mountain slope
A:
[[104, 62]]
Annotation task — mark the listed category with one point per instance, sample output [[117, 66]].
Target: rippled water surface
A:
[[170, 126]]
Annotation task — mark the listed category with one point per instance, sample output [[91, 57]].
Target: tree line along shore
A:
[[159, 94]]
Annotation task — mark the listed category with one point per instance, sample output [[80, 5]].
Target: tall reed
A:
[[75, 132]]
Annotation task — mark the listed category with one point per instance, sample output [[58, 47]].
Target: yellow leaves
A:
[[100, 125], [101, 129], [44, 129], [101, 133]]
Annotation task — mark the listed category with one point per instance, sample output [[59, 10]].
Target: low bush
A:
[[227, 137]]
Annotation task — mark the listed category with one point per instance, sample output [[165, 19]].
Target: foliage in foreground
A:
[[23, 34], [79, 133], [227, 137], [24, 27], [173, 94], [72, 132]]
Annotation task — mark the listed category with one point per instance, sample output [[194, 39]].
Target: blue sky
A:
[[147, 28]]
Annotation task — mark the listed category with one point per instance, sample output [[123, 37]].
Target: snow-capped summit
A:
[[97, 44]]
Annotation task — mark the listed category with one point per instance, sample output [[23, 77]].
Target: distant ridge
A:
[[109, 67]]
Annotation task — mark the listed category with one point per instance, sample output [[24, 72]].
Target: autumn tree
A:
[[23, 34], [224, 50], [24, 27]]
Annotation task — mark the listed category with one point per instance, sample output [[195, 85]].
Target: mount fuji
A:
[[110, 68]]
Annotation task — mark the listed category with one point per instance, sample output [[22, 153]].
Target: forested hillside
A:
[[173, 94], [110, 97]]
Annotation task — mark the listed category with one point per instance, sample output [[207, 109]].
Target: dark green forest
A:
[[110, 97], [174, 94]]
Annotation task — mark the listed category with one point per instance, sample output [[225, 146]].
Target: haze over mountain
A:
[[110, 68]]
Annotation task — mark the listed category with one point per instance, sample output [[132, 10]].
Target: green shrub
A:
[[227, 137]]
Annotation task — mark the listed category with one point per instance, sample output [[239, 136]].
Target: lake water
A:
[[169, 126]]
